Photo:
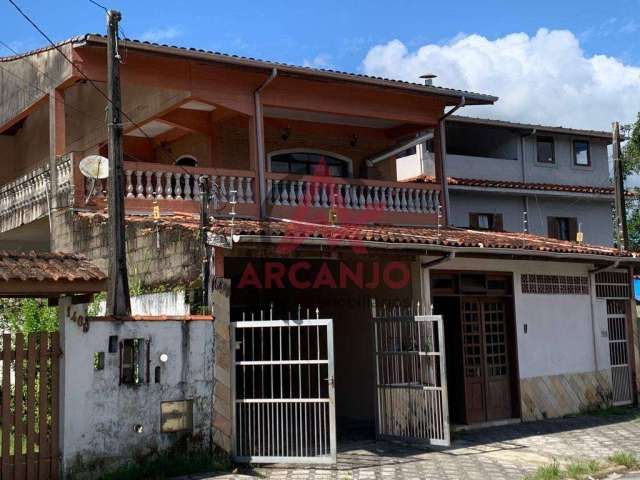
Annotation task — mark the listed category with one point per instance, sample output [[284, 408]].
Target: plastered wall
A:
[[104, 422]]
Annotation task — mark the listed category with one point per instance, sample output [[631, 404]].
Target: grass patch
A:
[[624, 459], [582, 468], [548, 472], [613, 411], [166, 466]]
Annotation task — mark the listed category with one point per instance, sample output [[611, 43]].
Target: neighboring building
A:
[[498, 170], [321, 270]]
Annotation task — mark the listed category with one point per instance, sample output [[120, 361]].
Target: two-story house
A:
[[321, 259], [498, 171]]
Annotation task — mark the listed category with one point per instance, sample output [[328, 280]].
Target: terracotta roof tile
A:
[[509, 184], [519, 243], [43, 267]]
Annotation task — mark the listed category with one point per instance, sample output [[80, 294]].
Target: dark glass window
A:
[[563, 228], [308, 163], [581, 155], [485, 221], [546, 153]]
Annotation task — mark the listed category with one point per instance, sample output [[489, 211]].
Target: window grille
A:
[[555, 284]]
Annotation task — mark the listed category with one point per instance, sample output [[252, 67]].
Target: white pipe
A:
[[383, 156]]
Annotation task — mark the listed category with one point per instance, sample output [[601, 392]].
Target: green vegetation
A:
[[614, 412], [548, 472], [582, 468], [26, 315], [624, 459], [631, 165], [167, 466]]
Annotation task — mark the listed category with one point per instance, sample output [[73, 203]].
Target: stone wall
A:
[[167, 256], [560, 395]]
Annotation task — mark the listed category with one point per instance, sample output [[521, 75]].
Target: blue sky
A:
[[333, 33]]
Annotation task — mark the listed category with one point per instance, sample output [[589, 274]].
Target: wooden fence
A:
[[30, 401]]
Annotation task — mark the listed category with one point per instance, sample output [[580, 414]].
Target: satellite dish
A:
[[95, 167]]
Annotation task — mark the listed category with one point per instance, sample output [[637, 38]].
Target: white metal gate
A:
[[283, 391], [614, 287], [411, 386]]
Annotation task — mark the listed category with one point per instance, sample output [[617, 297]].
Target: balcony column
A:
[[57, 138]]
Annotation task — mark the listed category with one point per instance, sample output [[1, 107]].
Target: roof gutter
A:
[[276, 239], [443, 156], [260, 141]]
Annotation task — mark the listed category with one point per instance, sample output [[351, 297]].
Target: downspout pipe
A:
[[383, 156], [432, 263], [525, 198], [262, 161], [443, 157]]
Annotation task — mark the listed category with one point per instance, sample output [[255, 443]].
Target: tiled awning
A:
[[48, 274], [515, 185]]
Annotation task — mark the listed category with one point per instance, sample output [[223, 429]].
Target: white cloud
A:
[[321, 60], [161, 34], [545, 78]]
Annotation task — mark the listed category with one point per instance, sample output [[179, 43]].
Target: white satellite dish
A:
[[95, 167]]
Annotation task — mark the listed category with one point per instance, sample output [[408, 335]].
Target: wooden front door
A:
[[485, 359]]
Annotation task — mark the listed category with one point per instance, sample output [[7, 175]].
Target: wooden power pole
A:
[[118, 301], [618, 173]]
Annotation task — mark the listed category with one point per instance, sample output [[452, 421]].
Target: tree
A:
[[27, 315], [631, 165]]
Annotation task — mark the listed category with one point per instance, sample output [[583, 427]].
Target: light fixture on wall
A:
[[354, 140], [164, 358], [286, 134]]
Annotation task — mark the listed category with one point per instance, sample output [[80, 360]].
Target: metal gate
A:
[[614, 287], [411, 381], [283, 391]]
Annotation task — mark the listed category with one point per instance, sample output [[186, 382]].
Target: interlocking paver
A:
[[498, 453]]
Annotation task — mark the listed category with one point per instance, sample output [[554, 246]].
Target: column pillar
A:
[[222, 416]]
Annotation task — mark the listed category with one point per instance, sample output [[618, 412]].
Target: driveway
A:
[[507, 452]]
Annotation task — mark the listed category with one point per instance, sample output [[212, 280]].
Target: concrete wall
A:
[[594, 215], [497, 154], [99, 416], [566, 335]]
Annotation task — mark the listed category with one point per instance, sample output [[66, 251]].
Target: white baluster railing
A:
[[150, 181], [354, 195]]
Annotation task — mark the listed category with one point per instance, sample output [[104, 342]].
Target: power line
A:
[[99, 5], [91, 82], [84, 75]]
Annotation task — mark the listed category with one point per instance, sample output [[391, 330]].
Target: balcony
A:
[[28, 198], [176, 189]]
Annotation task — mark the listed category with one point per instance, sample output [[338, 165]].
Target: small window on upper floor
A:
[[546, 150], [486, 221], [563, 228], [309, 163], [581, 154]]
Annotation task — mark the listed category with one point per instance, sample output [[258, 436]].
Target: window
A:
[[134, 361], [310, 163], [581, 156], [545, 148], [485, 221], [563, 228], [187, 161]]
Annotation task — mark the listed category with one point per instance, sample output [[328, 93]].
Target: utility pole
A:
[[621, 211], [118, 301]]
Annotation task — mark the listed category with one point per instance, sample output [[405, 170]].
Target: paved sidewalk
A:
[[508, 452]]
